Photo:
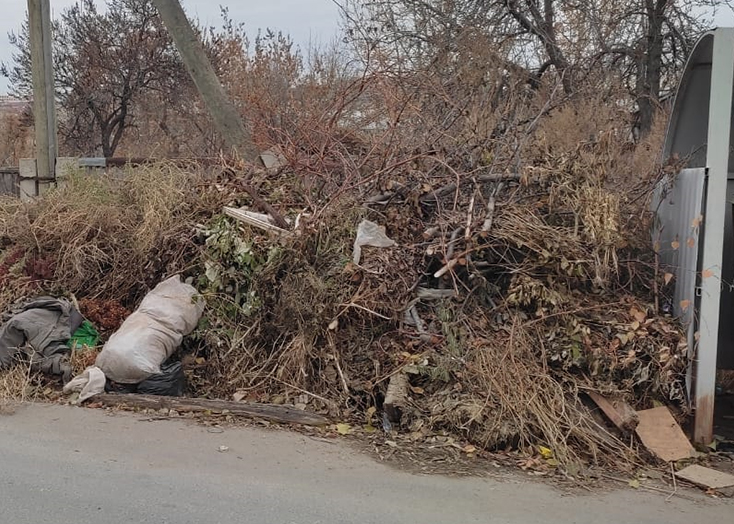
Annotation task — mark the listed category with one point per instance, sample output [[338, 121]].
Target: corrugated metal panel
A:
[[678, 204]]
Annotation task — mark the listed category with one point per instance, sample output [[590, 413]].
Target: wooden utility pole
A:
[[44, 107], [225, 115]]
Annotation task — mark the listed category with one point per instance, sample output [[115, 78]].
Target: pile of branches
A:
[[507, 297], [509, 294]]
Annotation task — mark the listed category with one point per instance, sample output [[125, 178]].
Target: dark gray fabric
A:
[[39, 328]]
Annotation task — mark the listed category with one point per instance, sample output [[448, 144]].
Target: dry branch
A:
[[450, 188]]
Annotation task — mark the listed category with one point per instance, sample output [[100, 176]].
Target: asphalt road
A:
[[61, 465]]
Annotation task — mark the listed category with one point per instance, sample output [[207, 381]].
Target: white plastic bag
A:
[[370, 234], [151, 334], [90, 383]]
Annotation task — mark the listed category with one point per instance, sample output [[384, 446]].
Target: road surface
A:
[[61, 465]]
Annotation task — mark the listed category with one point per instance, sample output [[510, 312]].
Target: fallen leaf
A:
[[546, 453], [634, 483], [685, 304], [417, 391], [638, 315], [369, 428], [239, 396], [371, 411], [668, 278], [469, 449], [343, 429], [675, 245]]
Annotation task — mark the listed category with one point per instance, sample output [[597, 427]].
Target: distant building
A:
[[12, 105]]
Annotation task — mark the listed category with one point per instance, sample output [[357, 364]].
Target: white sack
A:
[[151, 334]]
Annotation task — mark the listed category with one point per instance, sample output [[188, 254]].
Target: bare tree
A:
[[589, 44], [104, 63]]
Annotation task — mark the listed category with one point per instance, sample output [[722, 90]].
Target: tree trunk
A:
[[648, 84]]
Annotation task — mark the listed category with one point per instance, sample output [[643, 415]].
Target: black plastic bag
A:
[[170, 382]]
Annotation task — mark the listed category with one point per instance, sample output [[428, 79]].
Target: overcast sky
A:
[[304, 20]]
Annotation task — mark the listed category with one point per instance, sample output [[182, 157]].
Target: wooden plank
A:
[[618, 411], [662, 435], [254, 219], [273, 413], [706, 477]]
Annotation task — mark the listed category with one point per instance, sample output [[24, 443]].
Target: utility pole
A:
[[44, 106], [223, 112]]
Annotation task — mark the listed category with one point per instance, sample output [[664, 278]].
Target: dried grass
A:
[[19, 384], [108, 235]]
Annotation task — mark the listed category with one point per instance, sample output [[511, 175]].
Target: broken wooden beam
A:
[[617, 411], [273, 413]]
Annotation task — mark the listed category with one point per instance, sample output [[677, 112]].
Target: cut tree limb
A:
[[619, 412], [273, 413], [396, 397]]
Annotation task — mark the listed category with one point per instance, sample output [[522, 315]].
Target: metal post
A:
[[717, 164], [223, 112], [44, 109]]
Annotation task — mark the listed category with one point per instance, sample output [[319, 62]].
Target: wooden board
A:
[[662, 435], [706, 477], [275, 413], [618, 411]]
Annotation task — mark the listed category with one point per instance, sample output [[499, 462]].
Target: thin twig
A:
[[675, 483]]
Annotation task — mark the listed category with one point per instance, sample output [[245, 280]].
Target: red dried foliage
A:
[[106, 315]]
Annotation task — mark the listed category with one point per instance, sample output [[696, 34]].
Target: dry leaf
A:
[[685, 304], [668, 278], [638, 315], [546, 453], [691, 242], [697, 221], [469, 449], [343, 429], [634, 483], [417, 391], [675, 245]]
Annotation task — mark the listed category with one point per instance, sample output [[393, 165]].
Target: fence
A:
[[10, 181]]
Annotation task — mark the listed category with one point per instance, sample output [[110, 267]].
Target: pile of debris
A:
[[498, 308]]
